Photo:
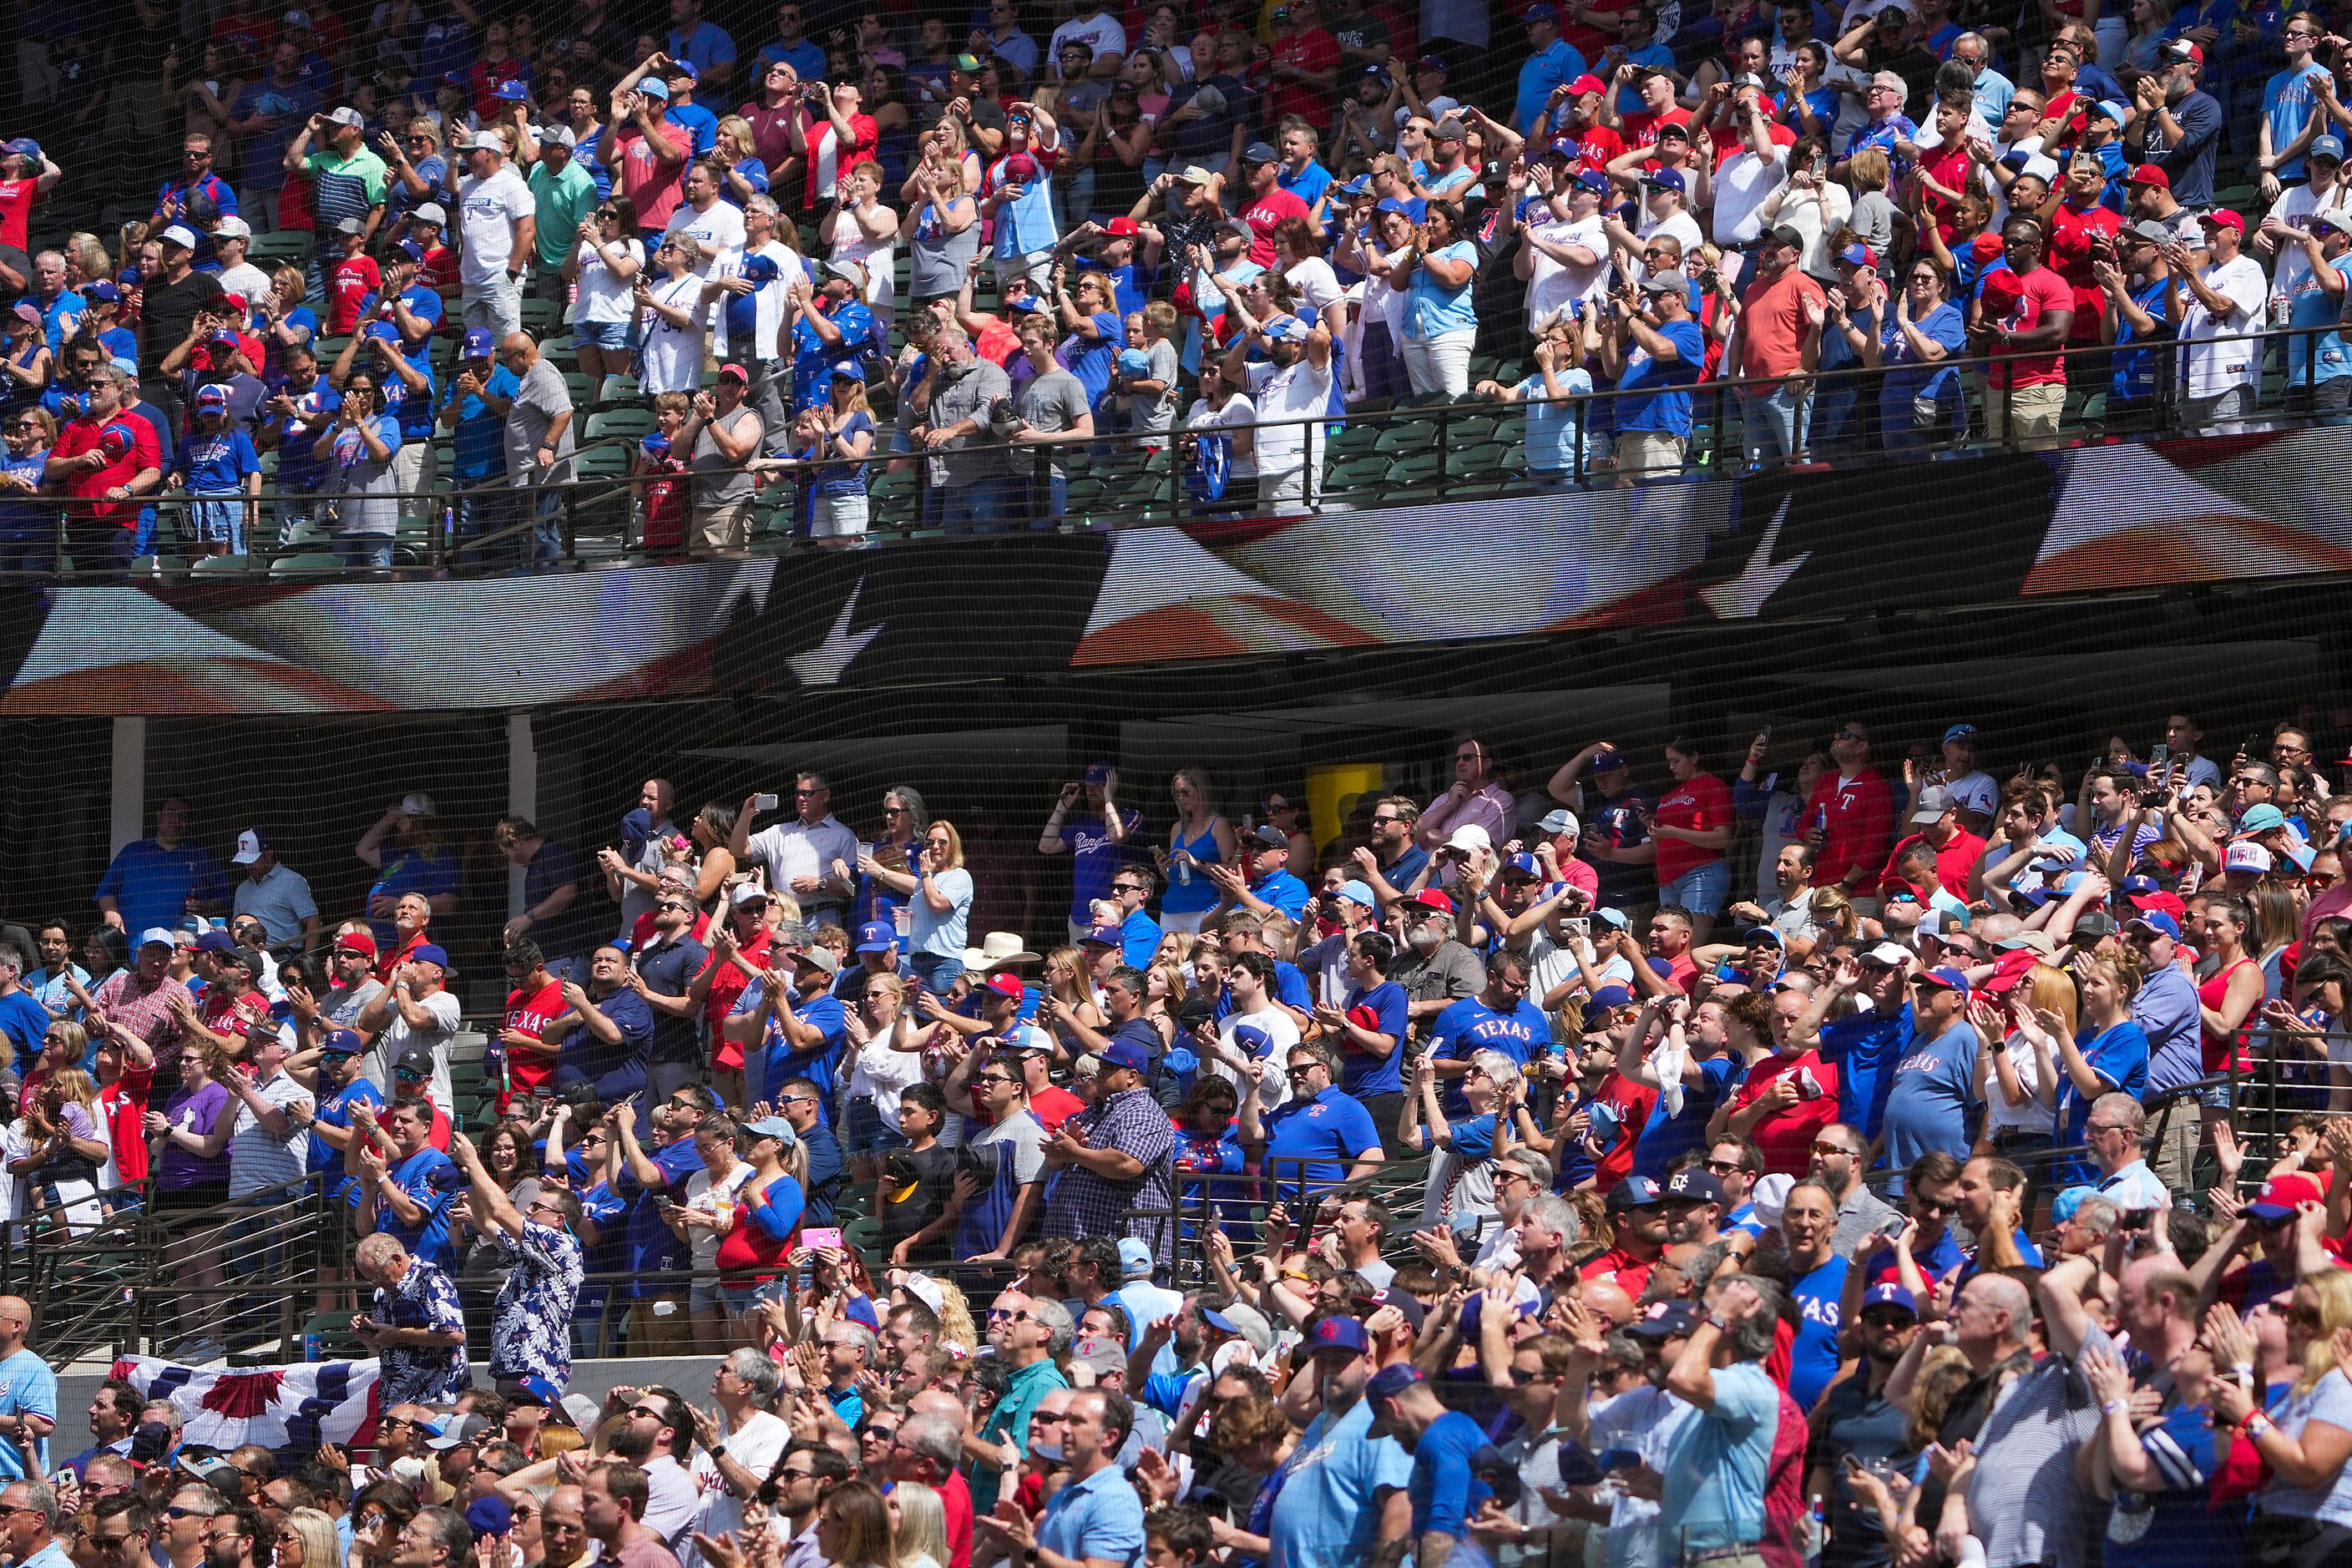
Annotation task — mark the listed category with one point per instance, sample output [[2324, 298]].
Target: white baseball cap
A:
[[1469, 836]]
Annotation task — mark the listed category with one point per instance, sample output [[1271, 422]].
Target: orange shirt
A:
[[1772, 324]]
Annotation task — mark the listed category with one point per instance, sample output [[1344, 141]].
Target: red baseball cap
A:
[[1121, 227], [2280, 1194], [1004, 986], [1585, 83], [2149, 174], [358, 941], [2223, 218], [1430, 899]]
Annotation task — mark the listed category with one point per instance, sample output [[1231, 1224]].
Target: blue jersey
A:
[[1446, 1490], [1814, 1358], [1934, 1084], [653, 1247], [216, 463], [480, 444], [1361, 1073], [1864, 1049], [1523, 1033], [1665, 1139], [1327, 1133], [431, 1181]]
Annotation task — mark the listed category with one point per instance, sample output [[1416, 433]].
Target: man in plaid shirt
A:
[[1112, 1160]]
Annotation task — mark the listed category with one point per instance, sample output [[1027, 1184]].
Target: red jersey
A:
[[1631, 1102], [2044, 292], [1589, 41], [664, 491], [1311, 50], [1630, 1273], [2071, 230], [438, 272], [1262, 214], [1598, 144], [1859, 813], [1786, 1137], [347, 287], [1642, 130], [728, 982], [231, 1016], [648, 179], [749, 1249], [531, 1013], [386, 961], [1954, 861], [1949, 167], [124, 1104], [17, 198], [129, 446], [1702, 804]]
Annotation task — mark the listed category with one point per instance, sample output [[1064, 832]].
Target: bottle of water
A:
[[1184, 870]]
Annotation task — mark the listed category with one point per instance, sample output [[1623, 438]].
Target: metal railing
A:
[[1419, 450]]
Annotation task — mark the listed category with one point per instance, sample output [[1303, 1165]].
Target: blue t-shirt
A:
[[1664, 1137], [1326, 1509], [429, 872], [2318, 355], [480, 450], [1431, 308], [1523, 1033], [1556, 67], [216, 464], [1361, 1073], [2176, 1524], [2289, 100], [2120, 1056], [151, 885], [299, 469], [1091, 362], [818, 1063], [1138, 940], [1814, 1358], [1654, 394], [263, 153], [1865, 1048], [1095, 860], [1327, 1133], [1283, 891], [1446, 1491], [1928, 1105], [335, 1110], [806, 58], [1717, 1467], [25, 1022], [28, 1387]]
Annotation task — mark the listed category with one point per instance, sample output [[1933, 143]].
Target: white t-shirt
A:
[[1282, 1030], [1551, 284], [2029, 1116], [1238, 411], [702, 1195], [756, 1446], [2294, 207], [885, 1072], [1742, 182], [1100, 32], [2214, 368], [606, 295], [1297, 390], [717, 235], [672, 354], [1681, 225], [487, 210], [440, 1029], [1316, 284], [247, 280]]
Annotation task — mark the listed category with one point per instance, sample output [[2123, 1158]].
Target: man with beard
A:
[[1435, 969], [1343, 1490], [1693, 1206], [1392, 862], [659, 1428], [613, 1503], [1857, 1421], [1637, 1210]]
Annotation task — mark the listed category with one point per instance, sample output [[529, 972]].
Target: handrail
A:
[[605, 510]]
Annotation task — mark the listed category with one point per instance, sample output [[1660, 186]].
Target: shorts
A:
[[864, 1133], [1701, 890], [706, 1296], [619, 336]]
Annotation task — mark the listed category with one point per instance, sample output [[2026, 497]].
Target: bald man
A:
[[28, 1394], [538, 440]]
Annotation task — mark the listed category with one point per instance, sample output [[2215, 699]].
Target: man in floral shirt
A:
[[415, 1326], [531, 1323]]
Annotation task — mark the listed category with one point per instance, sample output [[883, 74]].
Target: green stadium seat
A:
[[576, 383], [224, 566], [305, 563], [1403, 436], [629, 423], [290, 246], [619, 387], [611, 462], [1417, 471]]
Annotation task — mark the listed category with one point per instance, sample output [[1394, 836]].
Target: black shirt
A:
[[168, 313]]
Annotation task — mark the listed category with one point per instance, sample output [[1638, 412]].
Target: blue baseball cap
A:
[[655, 446], [876, 936], [1357, 894], [478, 344], [1665, 180], [342, 1043], [1392, 1380], [1253, 1039], [653, 87], [1108, 936], [1339, 1334], [387, 331], [760, 268], [1636, 1193], [1127, 1054], [1890, 1295], [510, 93], [430, 953], [1566, 147], [2261, 819], [2062, 1206], [1287, 327], [102, 293], [684, 68], [2156, 920], [1608, 996], [1525, 863], [1946, 977], [1391, 204], [409, 248], [1665, 1321], [1594, 180], [1959, 733]]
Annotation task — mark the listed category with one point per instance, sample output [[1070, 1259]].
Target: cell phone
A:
[[2134, 1219], [2159, 756], [763, 803], [819, 1236]]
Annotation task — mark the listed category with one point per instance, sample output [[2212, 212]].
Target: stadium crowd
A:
[[404, 264], [1845, 1161]]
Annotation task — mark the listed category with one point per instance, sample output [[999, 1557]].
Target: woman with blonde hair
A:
[[734, 150], [306, 1538], [62, 1140], [2019, 1082], [887, 1060], [2305, 1439], [1200, 836], [919, 1527], [939, 893], [1069, 996]]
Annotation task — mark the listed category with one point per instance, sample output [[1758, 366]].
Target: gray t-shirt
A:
[[1052, 403], [730, 484], [1147, 412], [936, 260], [541, 400], [2027, 1507], [1874, 219], [965, 393]]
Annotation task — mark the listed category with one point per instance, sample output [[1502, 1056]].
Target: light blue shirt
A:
[[1327, 1511], [1713, 1493], [50, 991], [281, 901], [28, 1387], [1433, 310], [1025, 226], [1992, 93], [1099, 1517], [930, 931]]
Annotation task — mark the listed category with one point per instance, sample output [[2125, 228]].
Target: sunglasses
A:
[[1821, 1147], [1930, 1207]]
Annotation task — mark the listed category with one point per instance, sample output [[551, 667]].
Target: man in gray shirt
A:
[[539, 443], [1052, 404], [723, 434], [973, 486]]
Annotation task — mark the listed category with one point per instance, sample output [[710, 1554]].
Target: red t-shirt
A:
[[1055, 1105], [1262, 214], [1590, 42], [231, 1016], [1948, 167], [135, 438], [438, 272], [728, 982], [2044, 291], [527, 1070], [1702, 804], [354, 278], [2071, 230], [1786, 1137], [1631, 1102], [648, 179], [1312, 50], [388, 962], [1631, 1273], [1600, 144], [17, 198], [1642, 130], [1772, 328], [1861, 815], [1953, 862], [955, 1497], [748, 1248], [124, 1101]]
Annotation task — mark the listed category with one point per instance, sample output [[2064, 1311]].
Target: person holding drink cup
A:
[[713, 1195]]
